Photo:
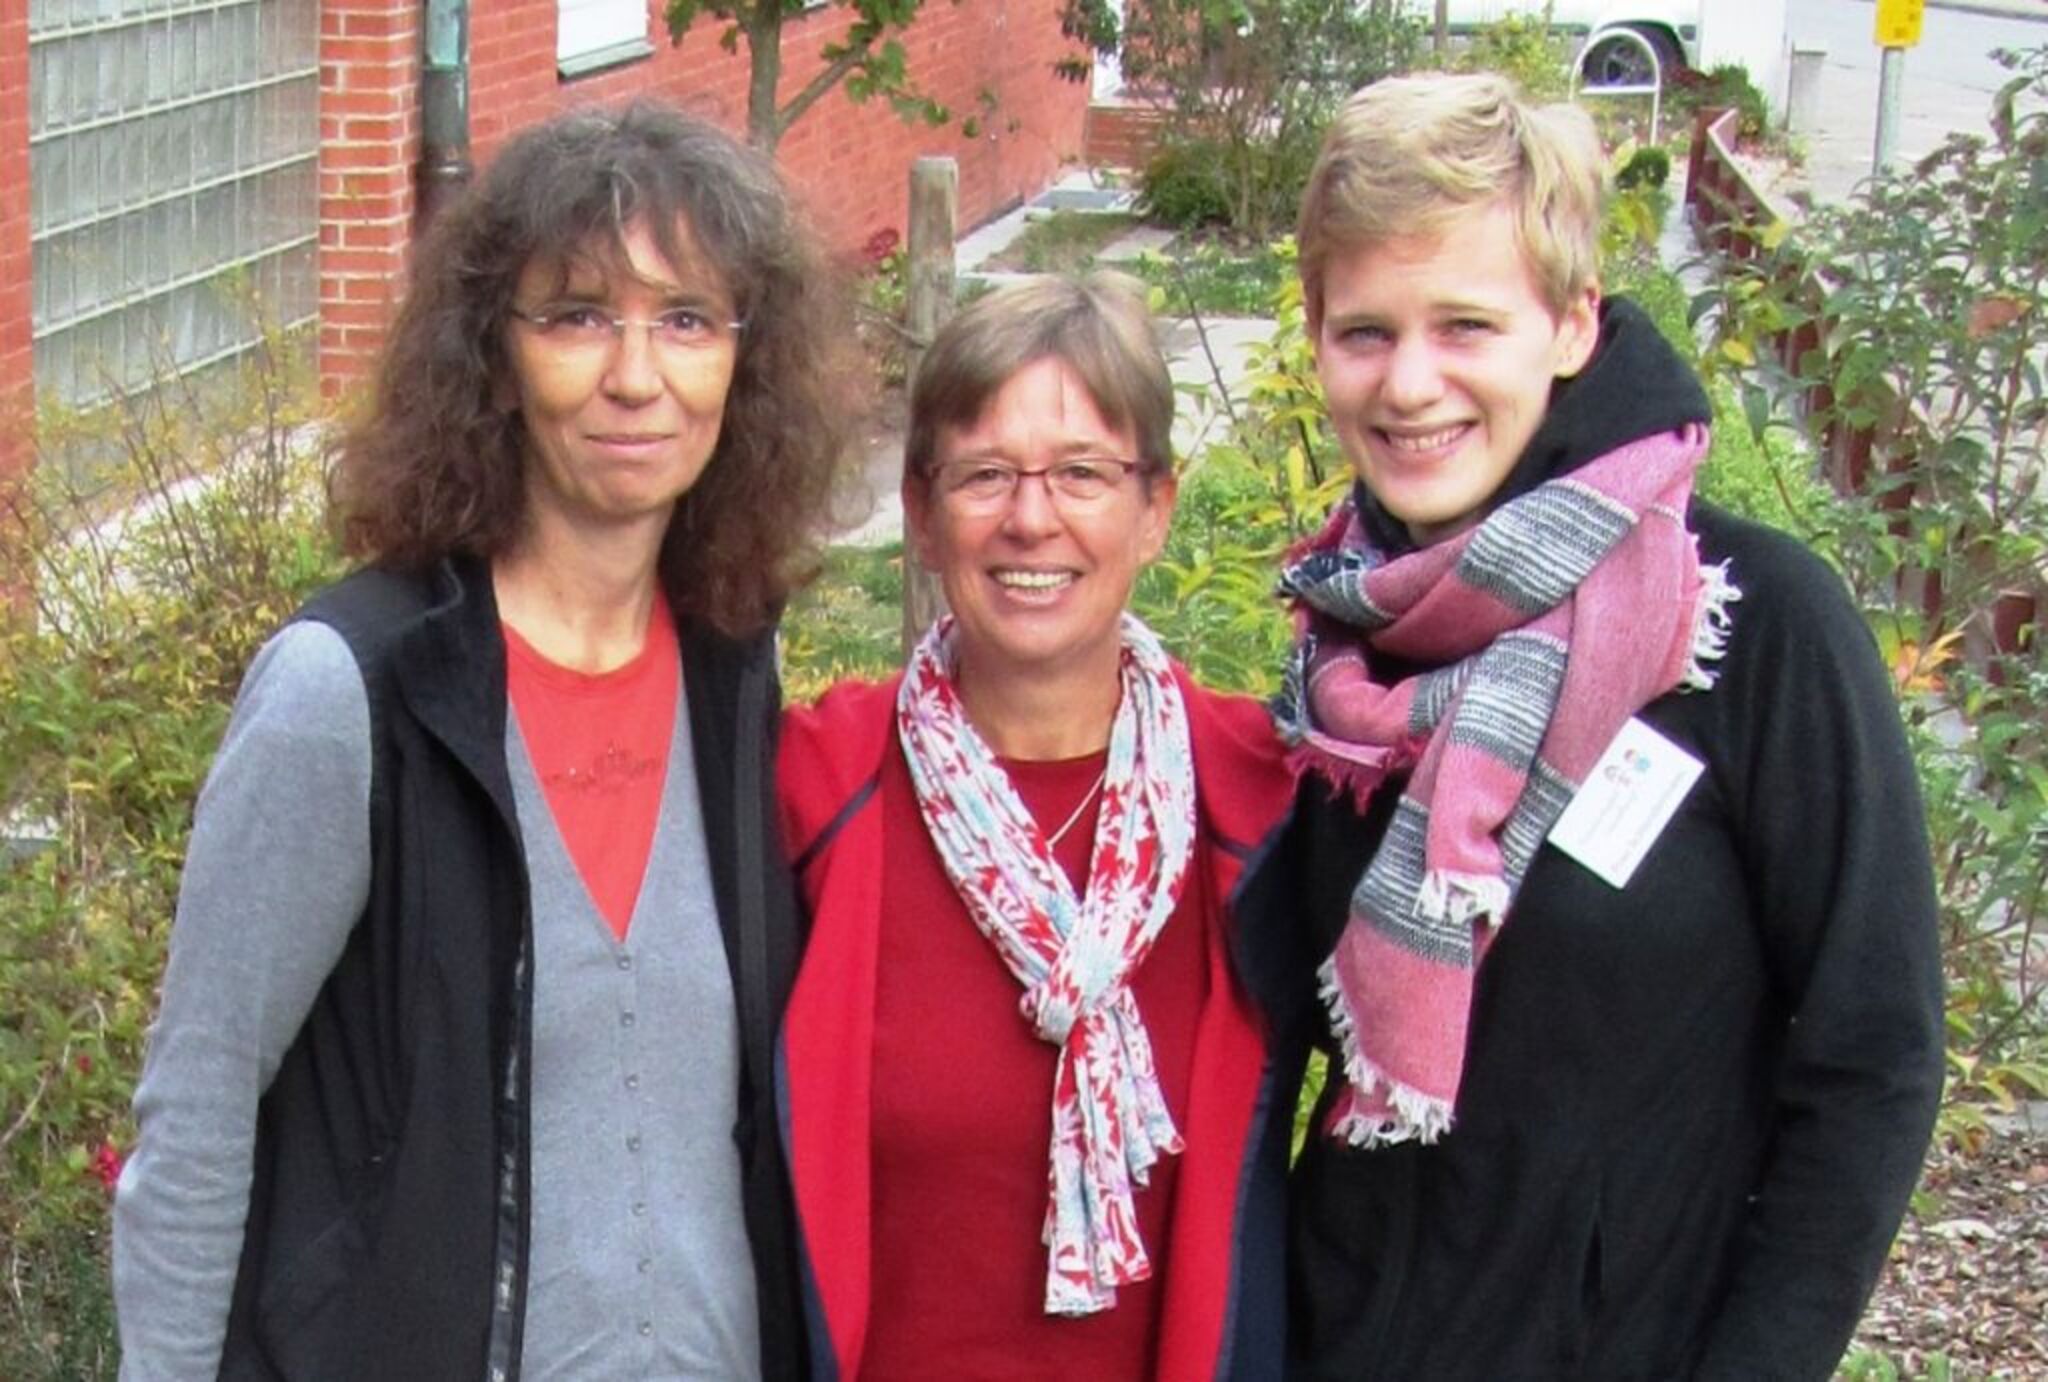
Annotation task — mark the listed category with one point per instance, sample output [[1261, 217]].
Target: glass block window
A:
[[174, 201]]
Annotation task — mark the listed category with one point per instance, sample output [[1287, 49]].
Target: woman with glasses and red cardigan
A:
[[1036, 1124]]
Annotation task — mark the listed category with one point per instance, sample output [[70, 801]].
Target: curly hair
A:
[[435, 466]]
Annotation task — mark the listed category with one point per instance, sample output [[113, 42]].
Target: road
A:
[[1949, 81]]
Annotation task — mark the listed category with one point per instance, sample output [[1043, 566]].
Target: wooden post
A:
[[927, 302], [1696, 160], [1440, 37]]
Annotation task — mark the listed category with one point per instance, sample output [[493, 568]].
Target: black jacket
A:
[[388, 1217], [1692, 1109]]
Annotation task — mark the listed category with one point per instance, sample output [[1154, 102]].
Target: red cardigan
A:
[[1223, 1315]]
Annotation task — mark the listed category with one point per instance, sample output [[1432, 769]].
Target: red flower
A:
[[880, 246], [106, 1163], [84, 1063]]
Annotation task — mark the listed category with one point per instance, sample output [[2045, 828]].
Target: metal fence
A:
[[172, 182]]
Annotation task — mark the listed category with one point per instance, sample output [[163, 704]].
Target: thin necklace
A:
[[1052, 840]]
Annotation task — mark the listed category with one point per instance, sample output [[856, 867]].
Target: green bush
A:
[[1245, 499], [1765, 474], [1526, 48], [1727, 85], [155, 566], [1649, 166], [1932, 325], [848, 623], [1250, 86], [1183, 186], [1214, 277]]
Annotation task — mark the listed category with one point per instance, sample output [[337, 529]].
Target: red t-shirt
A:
[[599, 744], [963, 1117]]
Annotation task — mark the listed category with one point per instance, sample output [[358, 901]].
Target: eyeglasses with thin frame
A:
[[984, 486], [580, 328]]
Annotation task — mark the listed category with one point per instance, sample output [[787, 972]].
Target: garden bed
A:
[[1967, 1285]]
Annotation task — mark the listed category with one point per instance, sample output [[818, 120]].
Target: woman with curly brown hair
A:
[[463, 1064]]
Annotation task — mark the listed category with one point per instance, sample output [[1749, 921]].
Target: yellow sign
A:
[[1898, 22]]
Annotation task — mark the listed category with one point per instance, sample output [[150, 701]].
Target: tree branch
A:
[[831, 75]]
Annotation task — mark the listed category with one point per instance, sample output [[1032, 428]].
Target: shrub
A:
[[160, 540], [1244, 501], [1766, 474], [1930, 308], [1212, 277], [1727, 85], [881, 277], [1647, 167], [1250, 84], [846, 624], [1527, 49], [1183, 186]]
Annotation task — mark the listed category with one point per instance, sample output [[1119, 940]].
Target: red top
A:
[[962, 1116], [1222, 1294], [599, 744]]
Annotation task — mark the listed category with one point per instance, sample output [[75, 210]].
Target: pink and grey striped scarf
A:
[[1549, 624], [1073, 955]]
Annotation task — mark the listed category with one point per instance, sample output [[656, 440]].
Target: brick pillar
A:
[[369, 143], [17, 367]]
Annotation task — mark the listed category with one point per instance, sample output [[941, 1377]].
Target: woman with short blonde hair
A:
[[1610, 845]]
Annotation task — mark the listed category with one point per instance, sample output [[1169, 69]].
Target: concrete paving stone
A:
[[1141, 240], [1064, 196]]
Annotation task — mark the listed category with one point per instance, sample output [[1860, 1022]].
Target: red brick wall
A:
[[1123, 134], [16, 281], [369, 145], [850, 162]]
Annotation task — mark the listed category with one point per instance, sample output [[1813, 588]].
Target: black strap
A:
[[757, 999]]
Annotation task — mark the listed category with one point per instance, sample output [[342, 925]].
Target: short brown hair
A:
[[1098, 326], [1407, 153], [436, 464]]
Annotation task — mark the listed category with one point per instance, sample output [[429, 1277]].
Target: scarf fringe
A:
[[1356, 780], [1462, 897], [1416, 1118], [1711, 623], [1406, 1114]]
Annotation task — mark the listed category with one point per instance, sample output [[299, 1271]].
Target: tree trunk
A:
[[764, 75], [927, 302], [1441, 39]]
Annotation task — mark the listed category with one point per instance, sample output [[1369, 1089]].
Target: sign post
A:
[[1898, 28]]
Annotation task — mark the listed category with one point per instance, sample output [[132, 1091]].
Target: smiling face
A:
[[1437, 354], [619, 426], [1038, 584]]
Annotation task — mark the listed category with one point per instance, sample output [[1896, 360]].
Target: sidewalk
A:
[[1948, 83], [2002, 9], [1229, 339]]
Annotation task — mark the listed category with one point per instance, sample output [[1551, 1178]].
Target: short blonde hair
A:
[[1406, 154], [1098, 326]]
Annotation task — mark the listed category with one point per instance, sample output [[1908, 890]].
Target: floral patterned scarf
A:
[[1073, 955]]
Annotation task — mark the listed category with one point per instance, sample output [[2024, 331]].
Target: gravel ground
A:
[[1969, 1276]]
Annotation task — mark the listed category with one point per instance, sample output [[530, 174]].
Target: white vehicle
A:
[[1671, 27]]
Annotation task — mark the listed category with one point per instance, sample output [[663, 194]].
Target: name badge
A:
[[1627, 800]]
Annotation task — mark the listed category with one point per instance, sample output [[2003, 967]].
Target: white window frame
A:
[[590, 34]]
